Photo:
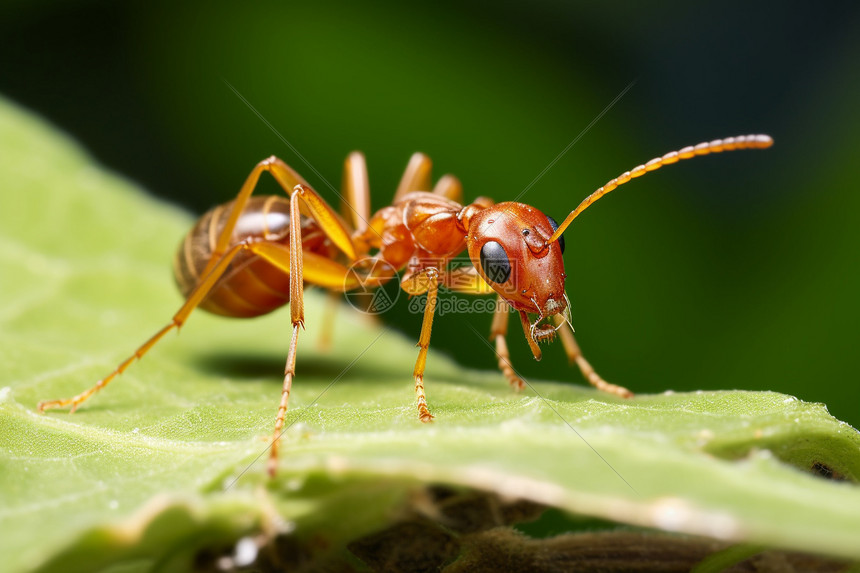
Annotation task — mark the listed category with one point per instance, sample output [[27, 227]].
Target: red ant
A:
[[240, 257]]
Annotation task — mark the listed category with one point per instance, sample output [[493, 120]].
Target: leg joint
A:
[[298, 189]]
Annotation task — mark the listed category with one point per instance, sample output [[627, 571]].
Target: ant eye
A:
[[495, 263], [554, 226], [525, 232]]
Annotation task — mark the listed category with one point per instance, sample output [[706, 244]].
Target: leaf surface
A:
[[167, 463]]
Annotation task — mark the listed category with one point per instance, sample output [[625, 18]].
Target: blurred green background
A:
[[736, 271]]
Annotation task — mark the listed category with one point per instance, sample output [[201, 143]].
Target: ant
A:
[[241, 257]]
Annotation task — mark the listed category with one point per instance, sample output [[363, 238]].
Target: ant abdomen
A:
[[250, 286]]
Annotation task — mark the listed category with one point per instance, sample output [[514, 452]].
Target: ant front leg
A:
[[426, 280], [466, 280], [498, 331], [574, 354]]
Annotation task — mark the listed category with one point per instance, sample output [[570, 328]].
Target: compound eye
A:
[[554, 226], [494, 261]]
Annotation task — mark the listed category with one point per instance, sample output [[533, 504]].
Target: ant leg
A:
[[574, 354], [449, 187], [355, 208], [302, 267], [195, 297], [331, 303], [466, 280], [416, 177], [426, 280], [286, 176], [321, 271], [297, 319], [498, 331], [288, 179], [289, 374], [356, 189]]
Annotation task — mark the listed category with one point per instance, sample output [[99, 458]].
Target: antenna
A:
[[689, 152]]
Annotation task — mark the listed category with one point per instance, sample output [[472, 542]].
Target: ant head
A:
[[509, 246]]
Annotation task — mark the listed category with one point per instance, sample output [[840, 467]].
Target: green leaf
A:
[[165, 467]]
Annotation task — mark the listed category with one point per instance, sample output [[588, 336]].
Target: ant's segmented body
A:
[[255, 254]]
